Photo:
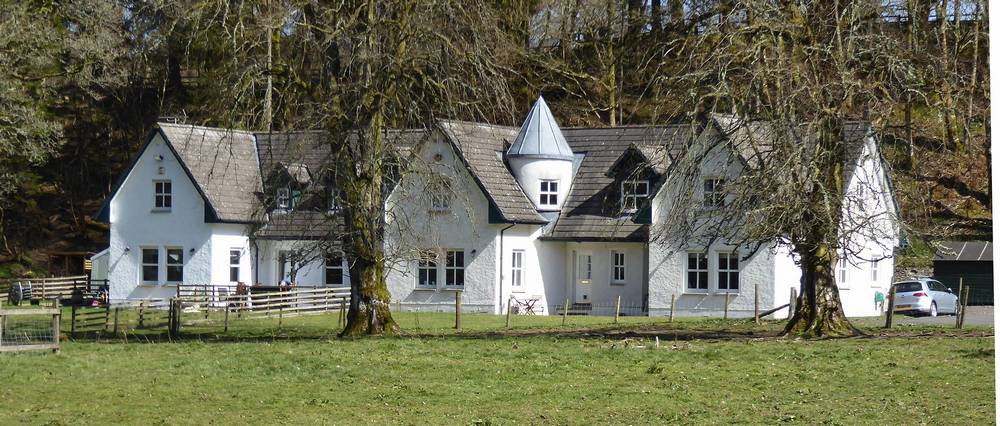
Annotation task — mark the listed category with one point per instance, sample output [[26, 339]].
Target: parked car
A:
[[924, 296]]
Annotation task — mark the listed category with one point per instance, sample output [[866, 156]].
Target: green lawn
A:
[[588, 372]]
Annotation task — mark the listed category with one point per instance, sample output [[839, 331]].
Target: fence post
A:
[[342, 315], [673, 303], [508, 311], [756, 303], [281, 312], [225, 322], [791, 302], [115, 330], [958, 302], [458, 310], [725, 309], [965, 303], [565, 311], [142, 312], [892, 307], [55, 327], [107, 316], [618, 307], [72, 322]]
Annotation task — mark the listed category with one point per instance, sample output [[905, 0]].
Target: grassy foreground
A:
[[590, 372]]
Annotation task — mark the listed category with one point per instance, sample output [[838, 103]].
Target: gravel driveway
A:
[[976, 315]]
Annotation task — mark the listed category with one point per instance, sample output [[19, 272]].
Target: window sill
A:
[[517, 290], [424, 288], [160, 210], [440, 211], [702, 292], [618, 283]]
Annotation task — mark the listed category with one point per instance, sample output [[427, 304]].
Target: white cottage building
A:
[[535, 215]]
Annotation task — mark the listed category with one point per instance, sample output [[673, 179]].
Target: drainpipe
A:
[[256, 263], [501, 264]]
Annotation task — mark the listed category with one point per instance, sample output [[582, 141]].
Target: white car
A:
[[924, 296]]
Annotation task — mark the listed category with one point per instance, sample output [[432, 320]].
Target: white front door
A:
[[584, 273]]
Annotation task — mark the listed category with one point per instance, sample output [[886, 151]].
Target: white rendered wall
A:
[[544, 273], [530, 171], [226, 237], [412, 227], [135, 225], [311, 271], [604, 292]]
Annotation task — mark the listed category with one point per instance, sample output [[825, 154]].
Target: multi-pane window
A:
[[334, 270], [729, 272], [440, 196], [454, 268], [517, 268], [175, 265], [842, 271], [633, 193], [163, 194], [697, 271], [548, 194], [283, 199], [873, 265], [713, 193], [150, 264], [617, 266], [234, 265], [427, 269], [334, 204]]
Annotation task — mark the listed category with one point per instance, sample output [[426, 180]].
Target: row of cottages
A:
[[536, 215]]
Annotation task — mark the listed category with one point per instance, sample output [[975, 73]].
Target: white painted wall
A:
[[226, 237], [530, 171], [135, 225], [544, 275], [309, 273], [603, 291], [412, 227]]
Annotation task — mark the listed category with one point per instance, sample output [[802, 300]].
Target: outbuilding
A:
[[972, 261]]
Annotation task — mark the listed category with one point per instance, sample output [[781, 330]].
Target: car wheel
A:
[[933, 312]]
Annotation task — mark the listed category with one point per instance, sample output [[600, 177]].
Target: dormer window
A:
[[334, 204], [633, 194], [284, 199], [548, 194]]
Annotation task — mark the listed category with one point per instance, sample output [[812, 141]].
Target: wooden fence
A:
[[32, 289]]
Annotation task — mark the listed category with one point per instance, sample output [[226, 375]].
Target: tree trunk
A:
[[818, 312]]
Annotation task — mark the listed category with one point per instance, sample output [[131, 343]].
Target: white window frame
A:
[[143, 264], [167, 265], [163, 195], [440, 195], [702, 255], [631, 199], [714, 197], [548, 197], [618, 268], [283, 198], [428, 263], [843, 272], [728, 271], [517, 270], [874, 272], [334, 206], [452, 269], [236, 254], [328, 267]]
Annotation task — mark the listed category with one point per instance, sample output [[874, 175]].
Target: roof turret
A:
[[540, 136]]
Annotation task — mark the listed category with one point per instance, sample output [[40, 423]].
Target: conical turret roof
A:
[[540, 135]]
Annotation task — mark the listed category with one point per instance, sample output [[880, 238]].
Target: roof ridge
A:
[[218, 129]]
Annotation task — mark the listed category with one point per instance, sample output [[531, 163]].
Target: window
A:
[[873, 265], [334, 275], [633, 193], [714, 196], [283, 199], [175, 265], [163, 198], [150, 265], [440, 196], [842, 271], [234, 265], [427, 269], [729, 272], [454, 268], [548, 195], [697, 271], [617, 267], [517, 269]]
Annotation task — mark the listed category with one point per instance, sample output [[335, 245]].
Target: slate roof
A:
[[482, 147], [540, 136], [591, 209], [964, 251], [223, 164]]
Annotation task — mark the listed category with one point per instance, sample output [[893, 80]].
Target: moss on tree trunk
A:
[[818, 311]]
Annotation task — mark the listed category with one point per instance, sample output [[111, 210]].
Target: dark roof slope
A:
[[592, 205], [482, 147], [964, 251], [223, 164]]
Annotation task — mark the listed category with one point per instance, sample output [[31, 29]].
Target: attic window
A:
[[633, 193], [714, 193], [548, 195], [163, 195], [440, 195]]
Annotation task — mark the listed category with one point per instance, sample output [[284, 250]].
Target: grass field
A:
[[588, 372]]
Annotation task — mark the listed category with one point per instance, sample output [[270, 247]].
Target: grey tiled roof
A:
[[482, 146], [964, 251], [591, 211], [223, 164]]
